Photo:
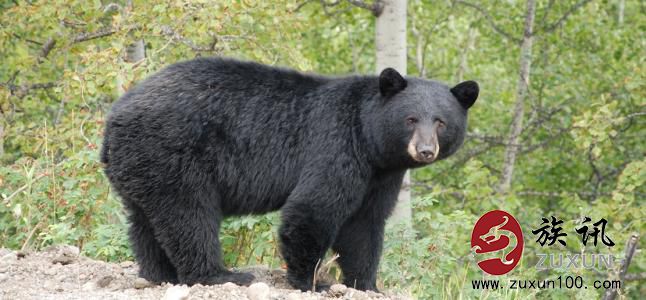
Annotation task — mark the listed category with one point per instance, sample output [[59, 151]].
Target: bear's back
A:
[[248, 127]]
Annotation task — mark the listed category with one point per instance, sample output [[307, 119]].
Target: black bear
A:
[[214, 137]]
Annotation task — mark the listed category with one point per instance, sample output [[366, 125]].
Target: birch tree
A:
[[522, 89], [390, 43]]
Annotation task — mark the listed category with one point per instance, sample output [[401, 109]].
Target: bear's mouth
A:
[[423, 160]]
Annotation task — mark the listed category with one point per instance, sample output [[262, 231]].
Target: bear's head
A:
[[419, 121]]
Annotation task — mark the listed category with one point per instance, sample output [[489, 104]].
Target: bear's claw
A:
[[238, 278]]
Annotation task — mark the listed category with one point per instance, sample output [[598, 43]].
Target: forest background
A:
[[575, 127]]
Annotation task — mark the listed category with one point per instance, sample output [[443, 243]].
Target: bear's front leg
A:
[[304, 241], [360, 239], [312, 216]]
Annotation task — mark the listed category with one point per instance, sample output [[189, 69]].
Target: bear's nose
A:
[[426, 152]]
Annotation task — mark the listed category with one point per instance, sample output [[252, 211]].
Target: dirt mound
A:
[[59, 272]]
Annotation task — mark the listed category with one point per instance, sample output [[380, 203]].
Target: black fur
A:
[[213, 137], [391, 82], [466, 93]]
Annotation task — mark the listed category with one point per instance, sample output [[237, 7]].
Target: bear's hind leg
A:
[[154, 265], [188, 231]]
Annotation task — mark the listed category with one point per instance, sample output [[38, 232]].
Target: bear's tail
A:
[[105, 148]]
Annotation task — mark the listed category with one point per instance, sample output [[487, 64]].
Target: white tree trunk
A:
[[516, 127], [136, 51], [390, 42]]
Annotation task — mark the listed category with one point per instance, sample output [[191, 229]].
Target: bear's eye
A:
[[411, 120]]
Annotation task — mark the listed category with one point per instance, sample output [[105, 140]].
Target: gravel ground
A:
[[59, 272]]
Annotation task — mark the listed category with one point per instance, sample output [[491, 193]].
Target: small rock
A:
[[357, 295], [126, 264], [4, 251], [197, 286], [64, 259], [310, 296], [104, 281], [65, 254], [49, 285], [89, 286], [70, 250], [373, 294], [51, 271], [294, 296], [8, 258], [258, 291], [177, 292], [230, 285], [338, 289], [141, 283], [130, 271], [3, 277]]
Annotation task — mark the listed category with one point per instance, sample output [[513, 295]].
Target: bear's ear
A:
[[391, 82], [466, 92]]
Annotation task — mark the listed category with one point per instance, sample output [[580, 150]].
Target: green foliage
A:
[[411, 255], [251, 240], [51, 182], [582, 151]]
